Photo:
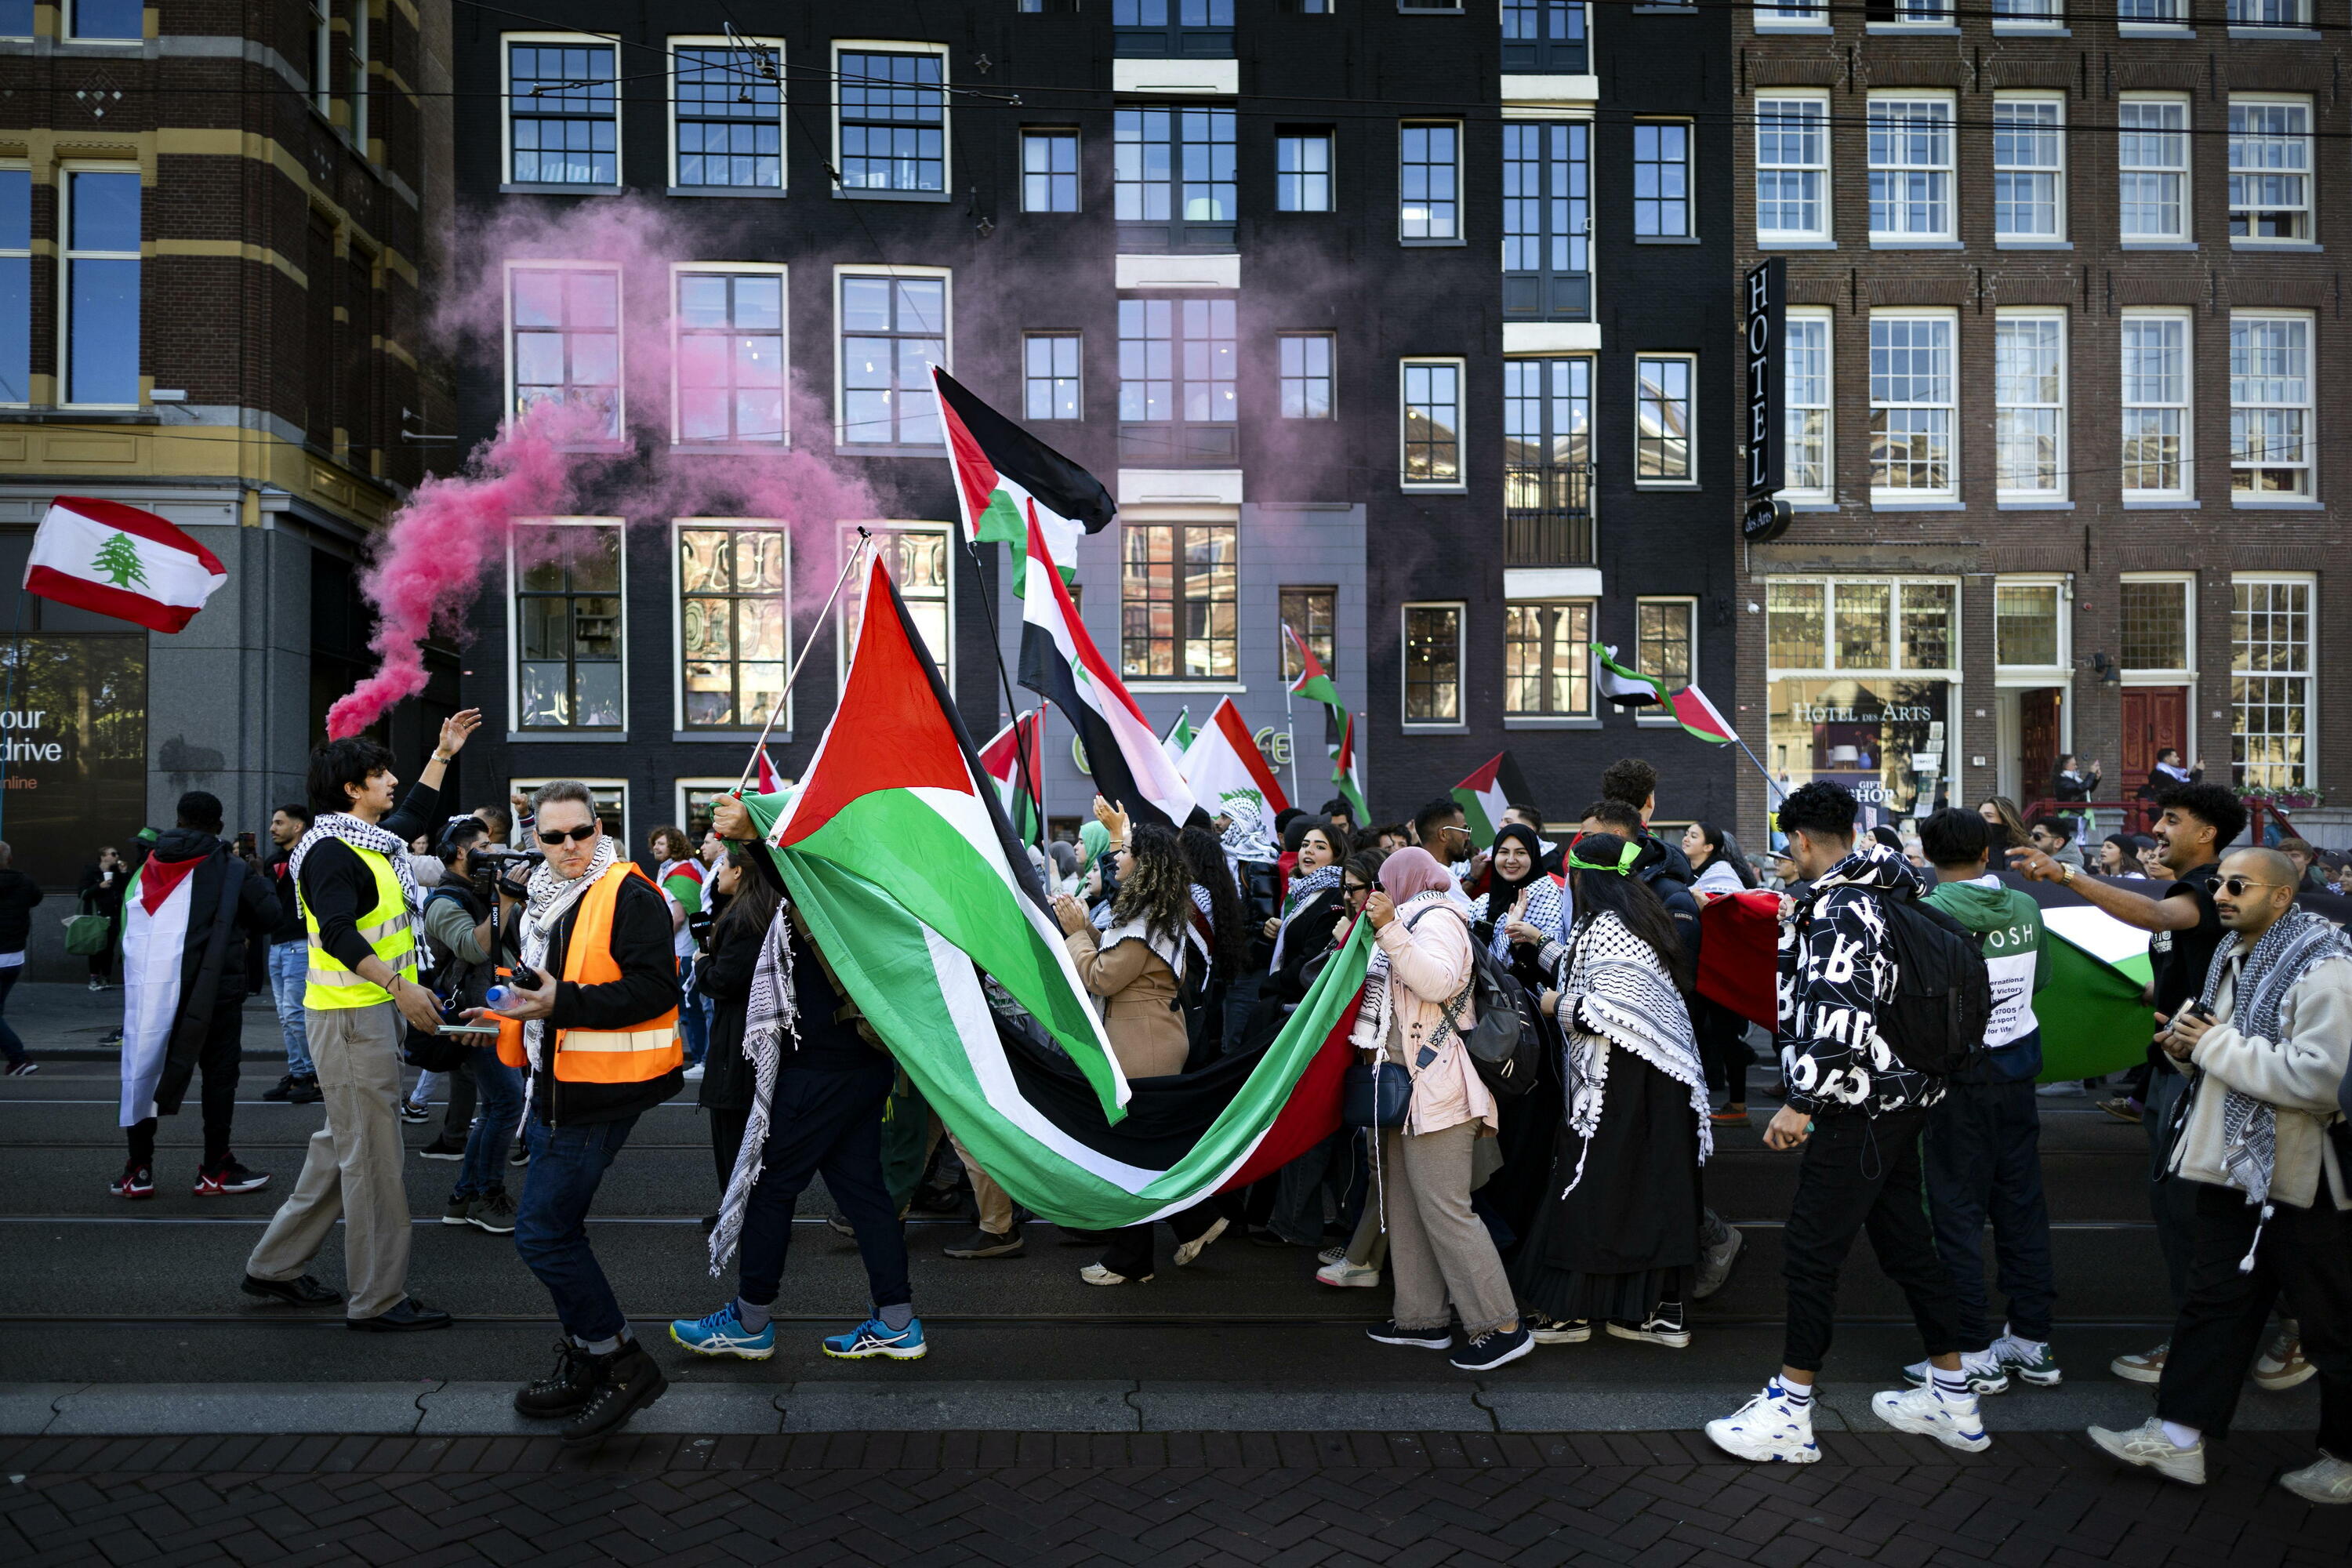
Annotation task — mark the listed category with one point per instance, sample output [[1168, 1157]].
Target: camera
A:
[[491, 865]]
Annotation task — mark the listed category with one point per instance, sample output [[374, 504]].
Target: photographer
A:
[[461, 934]]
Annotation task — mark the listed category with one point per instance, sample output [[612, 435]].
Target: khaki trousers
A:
[[353, 1169], [995, 1205], [1440, 1252]]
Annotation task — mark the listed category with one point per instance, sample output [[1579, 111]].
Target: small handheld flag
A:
[[1485, 793]]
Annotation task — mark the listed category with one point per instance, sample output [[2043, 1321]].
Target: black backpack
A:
[[1943, 992], [1503, 1042]]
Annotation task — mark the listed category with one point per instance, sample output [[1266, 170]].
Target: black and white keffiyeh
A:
[[1545, 910], [1614, 992], [550, 897], [771, 1015], [361, 833], [1303, 891], [1245, 840]]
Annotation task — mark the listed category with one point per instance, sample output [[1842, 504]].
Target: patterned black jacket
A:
[[1836, 969]]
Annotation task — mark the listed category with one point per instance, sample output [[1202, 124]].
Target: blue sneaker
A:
[[723, 1333], [873, 1338]]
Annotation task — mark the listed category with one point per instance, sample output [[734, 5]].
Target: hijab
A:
[[1094, 841], [1411, 872], [1501, 893]]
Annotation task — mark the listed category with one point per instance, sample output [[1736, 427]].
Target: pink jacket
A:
[[1429, 965]]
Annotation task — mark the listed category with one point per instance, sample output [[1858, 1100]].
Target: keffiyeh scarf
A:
[[550, 897], [1614, 992], [1245, 840], [771, 1014], [1303, 891], [1546, 910], [361, 833]]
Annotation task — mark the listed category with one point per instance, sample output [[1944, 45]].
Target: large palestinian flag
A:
[[1484, 793], [1006, 478], [155, 920]]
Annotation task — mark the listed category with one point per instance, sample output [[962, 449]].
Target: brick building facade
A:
[[2065, 313]]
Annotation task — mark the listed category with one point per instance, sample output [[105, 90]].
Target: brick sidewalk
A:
[[1037, 1500]]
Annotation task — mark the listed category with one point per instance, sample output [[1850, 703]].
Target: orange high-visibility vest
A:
[[635, 1054]]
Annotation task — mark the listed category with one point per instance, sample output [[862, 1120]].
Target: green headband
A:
[[1624, 867]]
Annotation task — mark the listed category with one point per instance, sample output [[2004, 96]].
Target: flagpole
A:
[[865, 538], [1770, 782], [15, 662], [1012, 708], [1291, 725]]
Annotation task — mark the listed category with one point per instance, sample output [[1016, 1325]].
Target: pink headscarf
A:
[[1411, 872]]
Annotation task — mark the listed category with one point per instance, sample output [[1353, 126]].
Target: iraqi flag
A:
[[1006, 478], [155, 918], [1347, 773], [1014, 761], [897, 794], [1060, 663], [1228, 774], [119, 561], [1483, 795]]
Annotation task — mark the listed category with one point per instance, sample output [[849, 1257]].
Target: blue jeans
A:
[[1984, 1162], [693, 1022], [289, 963], [497, 1106], [828, 1122], [552, 1220]]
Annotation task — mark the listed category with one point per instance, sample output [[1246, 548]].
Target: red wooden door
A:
[[2037, 741], [2154, 716]]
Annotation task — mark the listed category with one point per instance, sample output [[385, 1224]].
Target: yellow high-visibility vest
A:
[[385, 928]]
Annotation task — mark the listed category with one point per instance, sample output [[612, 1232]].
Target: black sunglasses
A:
[[579, 835], [2236, 886]]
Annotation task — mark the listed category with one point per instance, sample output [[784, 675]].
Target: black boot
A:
[[285, 1089], [305, 1092], [562, 1392], [627, 1381]]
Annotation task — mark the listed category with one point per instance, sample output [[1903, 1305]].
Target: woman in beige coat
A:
[[1137, 966]]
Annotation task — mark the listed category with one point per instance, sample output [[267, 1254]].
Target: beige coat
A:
[[2298, 1076], [1428, 965], [1138, 991]]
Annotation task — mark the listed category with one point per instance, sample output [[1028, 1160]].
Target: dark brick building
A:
[[2066, 317]]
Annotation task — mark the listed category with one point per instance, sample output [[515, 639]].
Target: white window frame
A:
[[2185, 186], [2303, 493], [1811, 316], [1331, 375], [783, 275], [2241, 26], [67, 257], [1329, 174], [2061, 671], [1534, 719], [2187, 489], [677, 527], [1775, 15], [2175, 23], [1689, 604], [32, 195], [1914, 100], [1815, 119], [1454, 235], [596, 786], [1914, 15], [1461, 368], [847, 535], [2310, 209], [947, 117], [1897, 584], [620, 333], [1077, 141], [515, 726], [842, 444], [2049, 17], [2058, 489], [1461, 720], [784, 134], [677, 793], [2055, 173], [1049, 334], [2308, 674], [2185, 675], [506, 105], [1690, 481], [1950, 491]]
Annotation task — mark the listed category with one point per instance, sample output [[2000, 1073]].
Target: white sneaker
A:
[[2072, 1089], [1954, 1424], [1767, 1431], [1096, 1274], [1348, 1276], [2147, 1447], [1186, 1251], [694, 1073], [1983, 1369], [2027, 1359], [1547, 1332], [2329, 1480]]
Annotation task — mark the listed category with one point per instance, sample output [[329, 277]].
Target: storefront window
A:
[[1861, 687]]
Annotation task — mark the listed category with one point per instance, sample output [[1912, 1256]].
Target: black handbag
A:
[[1375, 1094]]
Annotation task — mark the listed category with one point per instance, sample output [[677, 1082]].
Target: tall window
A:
[[1547, 660], [107, 21], [1548, 462], [1545, 37], [1908, 13], [730, 106], [2270, 405], [2028, 379], [918, 561], [566, 343], [1662, 183], [1666, 639], [1429, 182], [2270, 13], [1433, 664], [2155, 617], [1049, 376], [2018, 14], [731, 356], [1302, 171], [1547, 220], [2025, 624], [2155, 404], [2270, 169], [1177, 594], [1792, 168], [734, 592], [2270, 681], [564, 114], [1808, 466], [318, 56], [1049, 171], [2152, 13], [1662, 419], [1160, 29], [1306, 374], [363, 47], [15, 283], [893, 330], [1314, 614], [2152, 148], [1911, 406], [894, 112], [1174, 181], [1770, 14], [1910, 168], [100, 322], [1432, 422], [2028, 168], [1177, 361], [567, 617]]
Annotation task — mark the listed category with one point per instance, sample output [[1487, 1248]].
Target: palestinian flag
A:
[[156, 909], [1007, 478], [1694, 713], [1623, 686], [1178, 739], [1060, 663], [1228, 774], [1015, 762], [1484, 793], [769, 781], [896, 792], [1347, 773], [1314, 683]]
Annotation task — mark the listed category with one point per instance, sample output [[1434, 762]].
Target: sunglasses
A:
[[579, 835], [2235, 886], [1356, 886]]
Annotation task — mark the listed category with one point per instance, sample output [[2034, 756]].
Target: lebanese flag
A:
[[1483, 795], [1060, 663], [1347, 773], [1005, 478], [1228, 774], [1019, 788], [119, 561], [155, 909]]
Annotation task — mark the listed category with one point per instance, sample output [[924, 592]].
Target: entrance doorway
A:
[[2154, 716], [2027, 724]]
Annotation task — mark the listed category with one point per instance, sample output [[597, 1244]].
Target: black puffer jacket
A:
[[18, 894]]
